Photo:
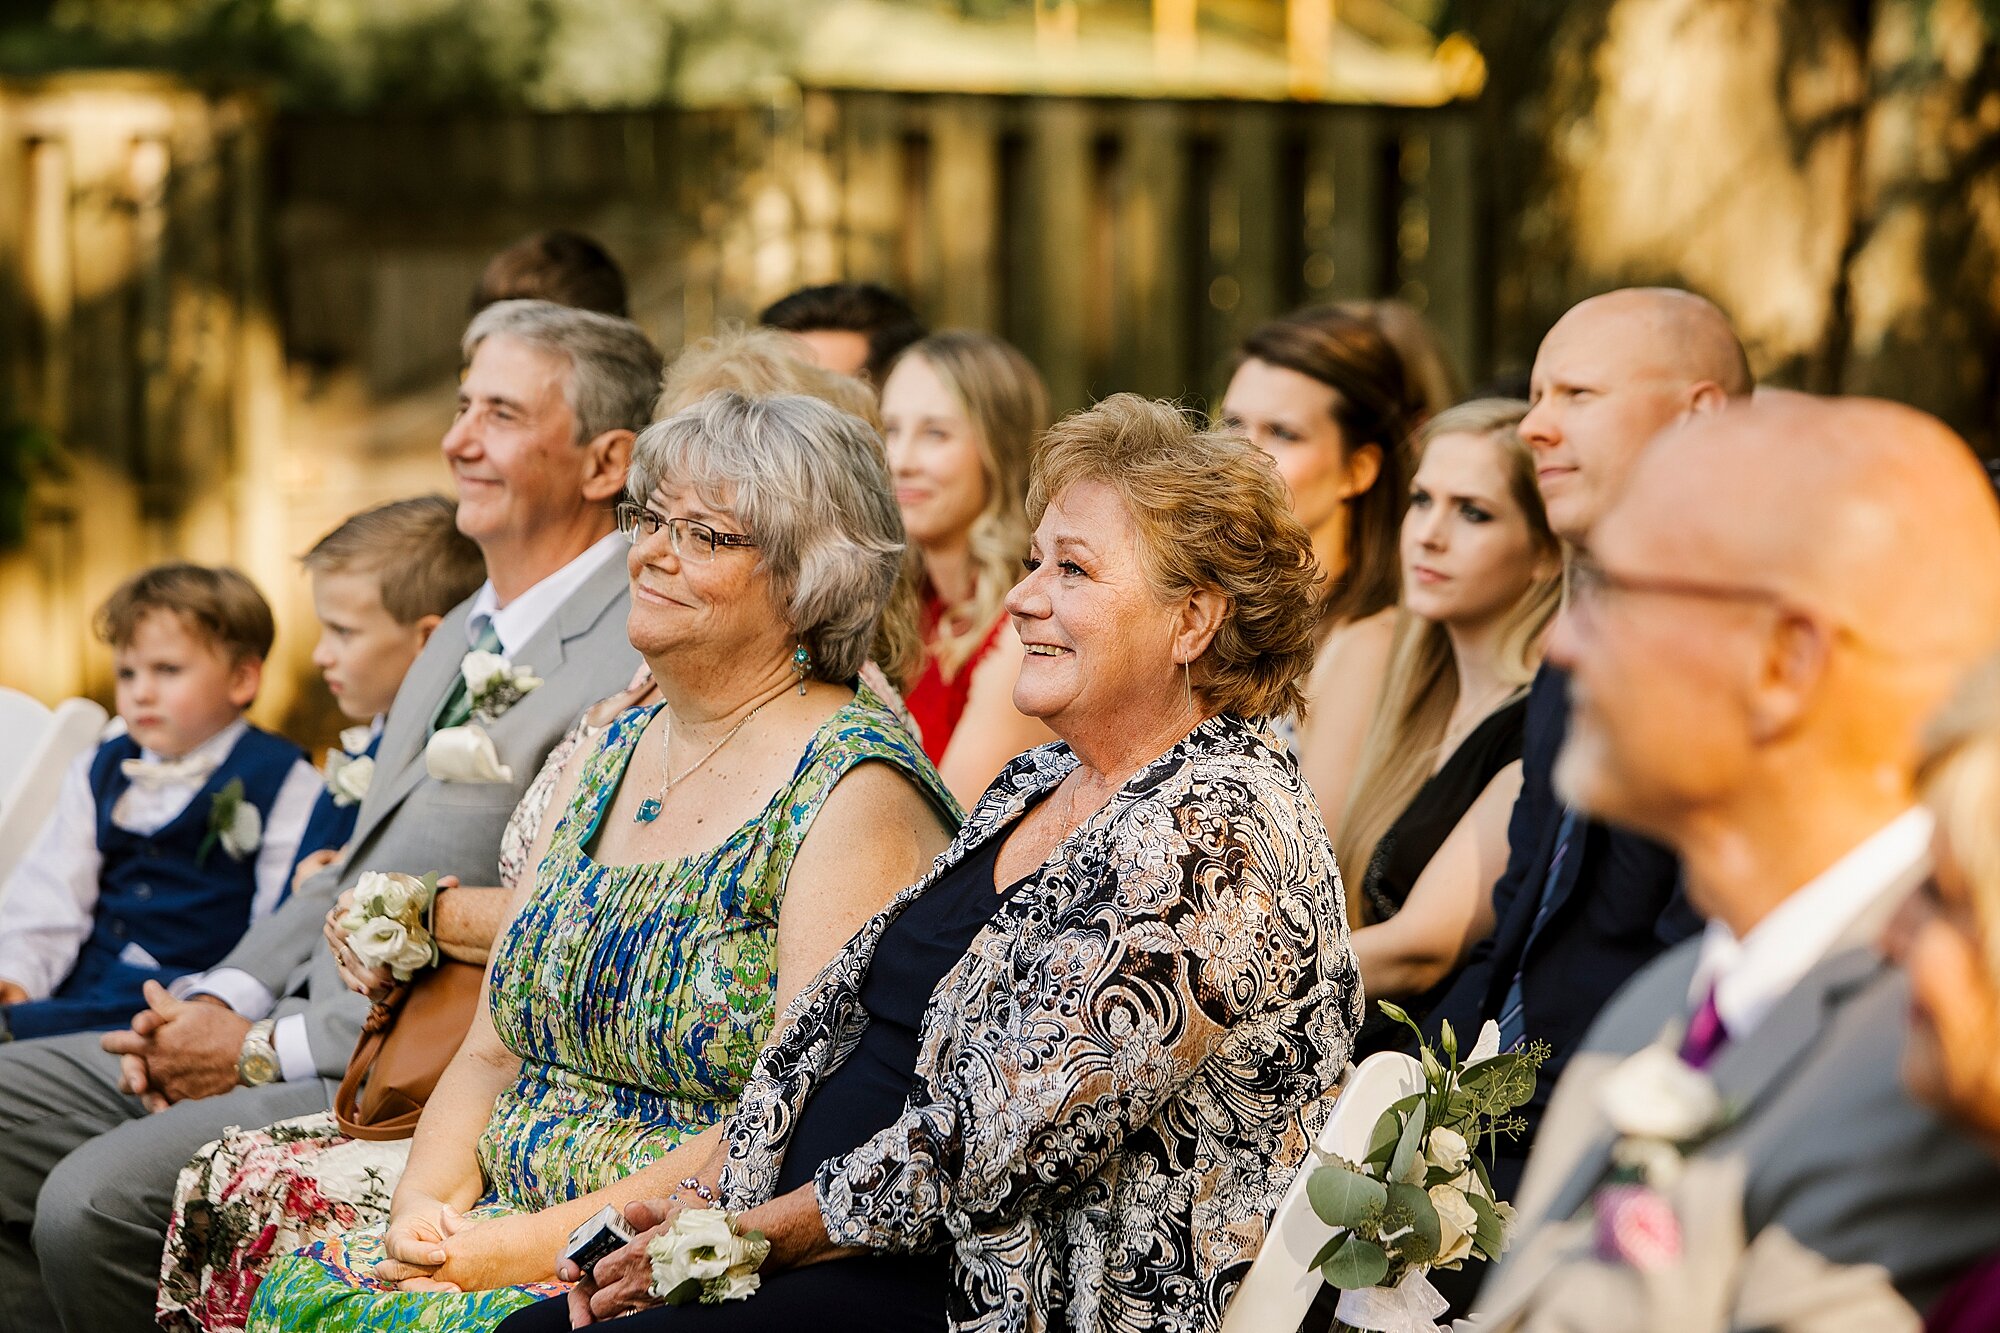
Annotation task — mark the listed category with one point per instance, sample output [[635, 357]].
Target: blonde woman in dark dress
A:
[[1424, 831]]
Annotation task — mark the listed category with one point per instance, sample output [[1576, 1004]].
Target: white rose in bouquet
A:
[[1447, 1150], [1457, 1223]]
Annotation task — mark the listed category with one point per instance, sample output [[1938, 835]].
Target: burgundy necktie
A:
[[1705, 1034]]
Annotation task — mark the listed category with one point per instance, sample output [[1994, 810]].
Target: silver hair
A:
[[614, 369], [810, 483]]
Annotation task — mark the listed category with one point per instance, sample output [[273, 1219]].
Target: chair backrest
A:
[[1279, 1288], [72, 729], [23, 723]]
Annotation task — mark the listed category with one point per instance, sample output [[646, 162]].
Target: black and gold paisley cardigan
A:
[[1118, 1080]]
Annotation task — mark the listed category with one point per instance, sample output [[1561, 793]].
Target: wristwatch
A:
[[258, 1064]]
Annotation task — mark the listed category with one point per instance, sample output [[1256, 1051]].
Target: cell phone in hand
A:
[[595, 1237]]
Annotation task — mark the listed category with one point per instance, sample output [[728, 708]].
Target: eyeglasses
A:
[[689, 538], [1590, 582]]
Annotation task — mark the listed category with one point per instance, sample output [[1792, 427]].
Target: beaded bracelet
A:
[[701, 1191]]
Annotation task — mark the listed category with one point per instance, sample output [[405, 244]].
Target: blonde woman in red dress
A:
[[961, 414]]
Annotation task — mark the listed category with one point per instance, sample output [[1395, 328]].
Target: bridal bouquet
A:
[[1422, 1199], [703, 1257], [389, 923]]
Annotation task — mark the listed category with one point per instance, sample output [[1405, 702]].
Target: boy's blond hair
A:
[[435, 566], [219, 604]]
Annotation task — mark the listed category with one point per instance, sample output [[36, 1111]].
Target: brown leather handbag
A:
[[409, 1037]]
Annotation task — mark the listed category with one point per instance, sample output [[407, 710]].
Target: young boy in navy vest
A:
[[171, 837], [382, 581]]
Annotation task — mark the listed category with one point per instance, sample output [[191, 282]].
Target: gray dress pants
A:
[[87, 1182]]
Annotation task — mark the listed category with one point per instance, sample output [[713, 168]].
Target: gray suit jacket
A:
[[1830, 1202], [410, 821]]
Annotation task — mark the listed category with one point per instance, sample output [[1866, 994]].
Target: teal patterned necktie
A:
[[458, 704]]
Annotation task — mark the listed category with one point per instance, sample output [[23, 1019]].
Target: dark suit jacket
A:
[[1618, 906]]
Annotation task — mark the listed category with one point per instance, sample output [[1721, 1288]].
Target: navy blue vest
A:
[[160, 892]]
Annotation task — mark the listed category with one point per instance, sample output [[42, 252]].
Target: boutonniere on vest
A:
[[1662, 1109], [493, 684], [388, 924], [349, 770], [233, 822]]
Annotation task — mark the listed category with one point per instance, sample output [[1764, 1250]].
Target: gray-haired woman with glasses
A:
[[715, 851]]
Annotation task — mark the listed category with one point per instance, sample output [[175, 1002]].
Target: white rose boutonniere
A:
[[493, 684], [704, 1257], [1661, 1108], [1655, 1095], [233, 823], [388, 923], [464, 754], [348, 777], [349, 770]]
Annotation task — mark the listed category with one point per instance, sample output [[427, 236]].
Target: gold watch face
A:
[[258, 1067]]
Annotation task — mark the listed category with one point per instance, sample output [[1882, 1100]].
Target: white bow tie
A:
[[191, 771]]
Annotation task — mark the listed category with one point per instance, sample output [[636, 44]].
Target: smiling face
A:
[[934, 456], [363, 652], [1469, 554], [1099, 640], [513, 451], [717, 610], [176, 687]]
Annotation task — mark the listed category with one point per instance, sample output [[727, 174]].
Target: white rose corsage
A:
[[704, 1258], [388, 924], [349, 770], [1662, 1109], [493, 684], [233, 823]]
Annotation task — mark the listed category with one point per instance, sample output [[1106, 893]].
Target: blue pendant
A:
[[649, 810]]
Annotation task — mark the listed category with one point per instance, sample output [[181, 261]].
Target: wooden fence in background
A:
[[1122, 244], [240, 327]]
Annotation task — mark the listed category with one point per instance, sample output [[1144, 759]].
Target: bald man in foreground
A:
[[1764, 618]]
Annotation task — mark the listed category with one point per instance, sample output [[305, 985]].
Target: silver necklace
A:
[[649, 809]]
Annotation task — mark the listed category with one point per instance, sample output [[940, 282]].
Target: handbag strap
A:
[[374, 1032]]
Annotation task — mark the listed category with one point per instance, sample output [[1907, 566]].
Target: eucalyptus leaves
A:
[[1421, 1199]]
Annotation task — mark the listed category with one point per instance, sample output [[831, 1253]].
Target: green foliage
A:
[[546, 54], [1410, 1207], [1491, 1236], [1356, 1263], [1344, 1198], [26, 451], [1381, 1208], [1410, 1147]]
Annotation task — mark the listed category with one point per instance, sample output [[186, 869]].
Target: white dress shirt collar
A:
[[519, 620], [216, 747], [1753, 974]]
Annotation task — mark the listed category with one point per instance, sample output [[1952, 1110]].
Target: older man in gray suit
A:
[[1759, 627], [548, 408]]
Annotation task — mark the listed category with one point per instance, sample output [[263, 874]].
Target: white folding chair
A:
[[69, 731], [23, 723], [1279, 1288]]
